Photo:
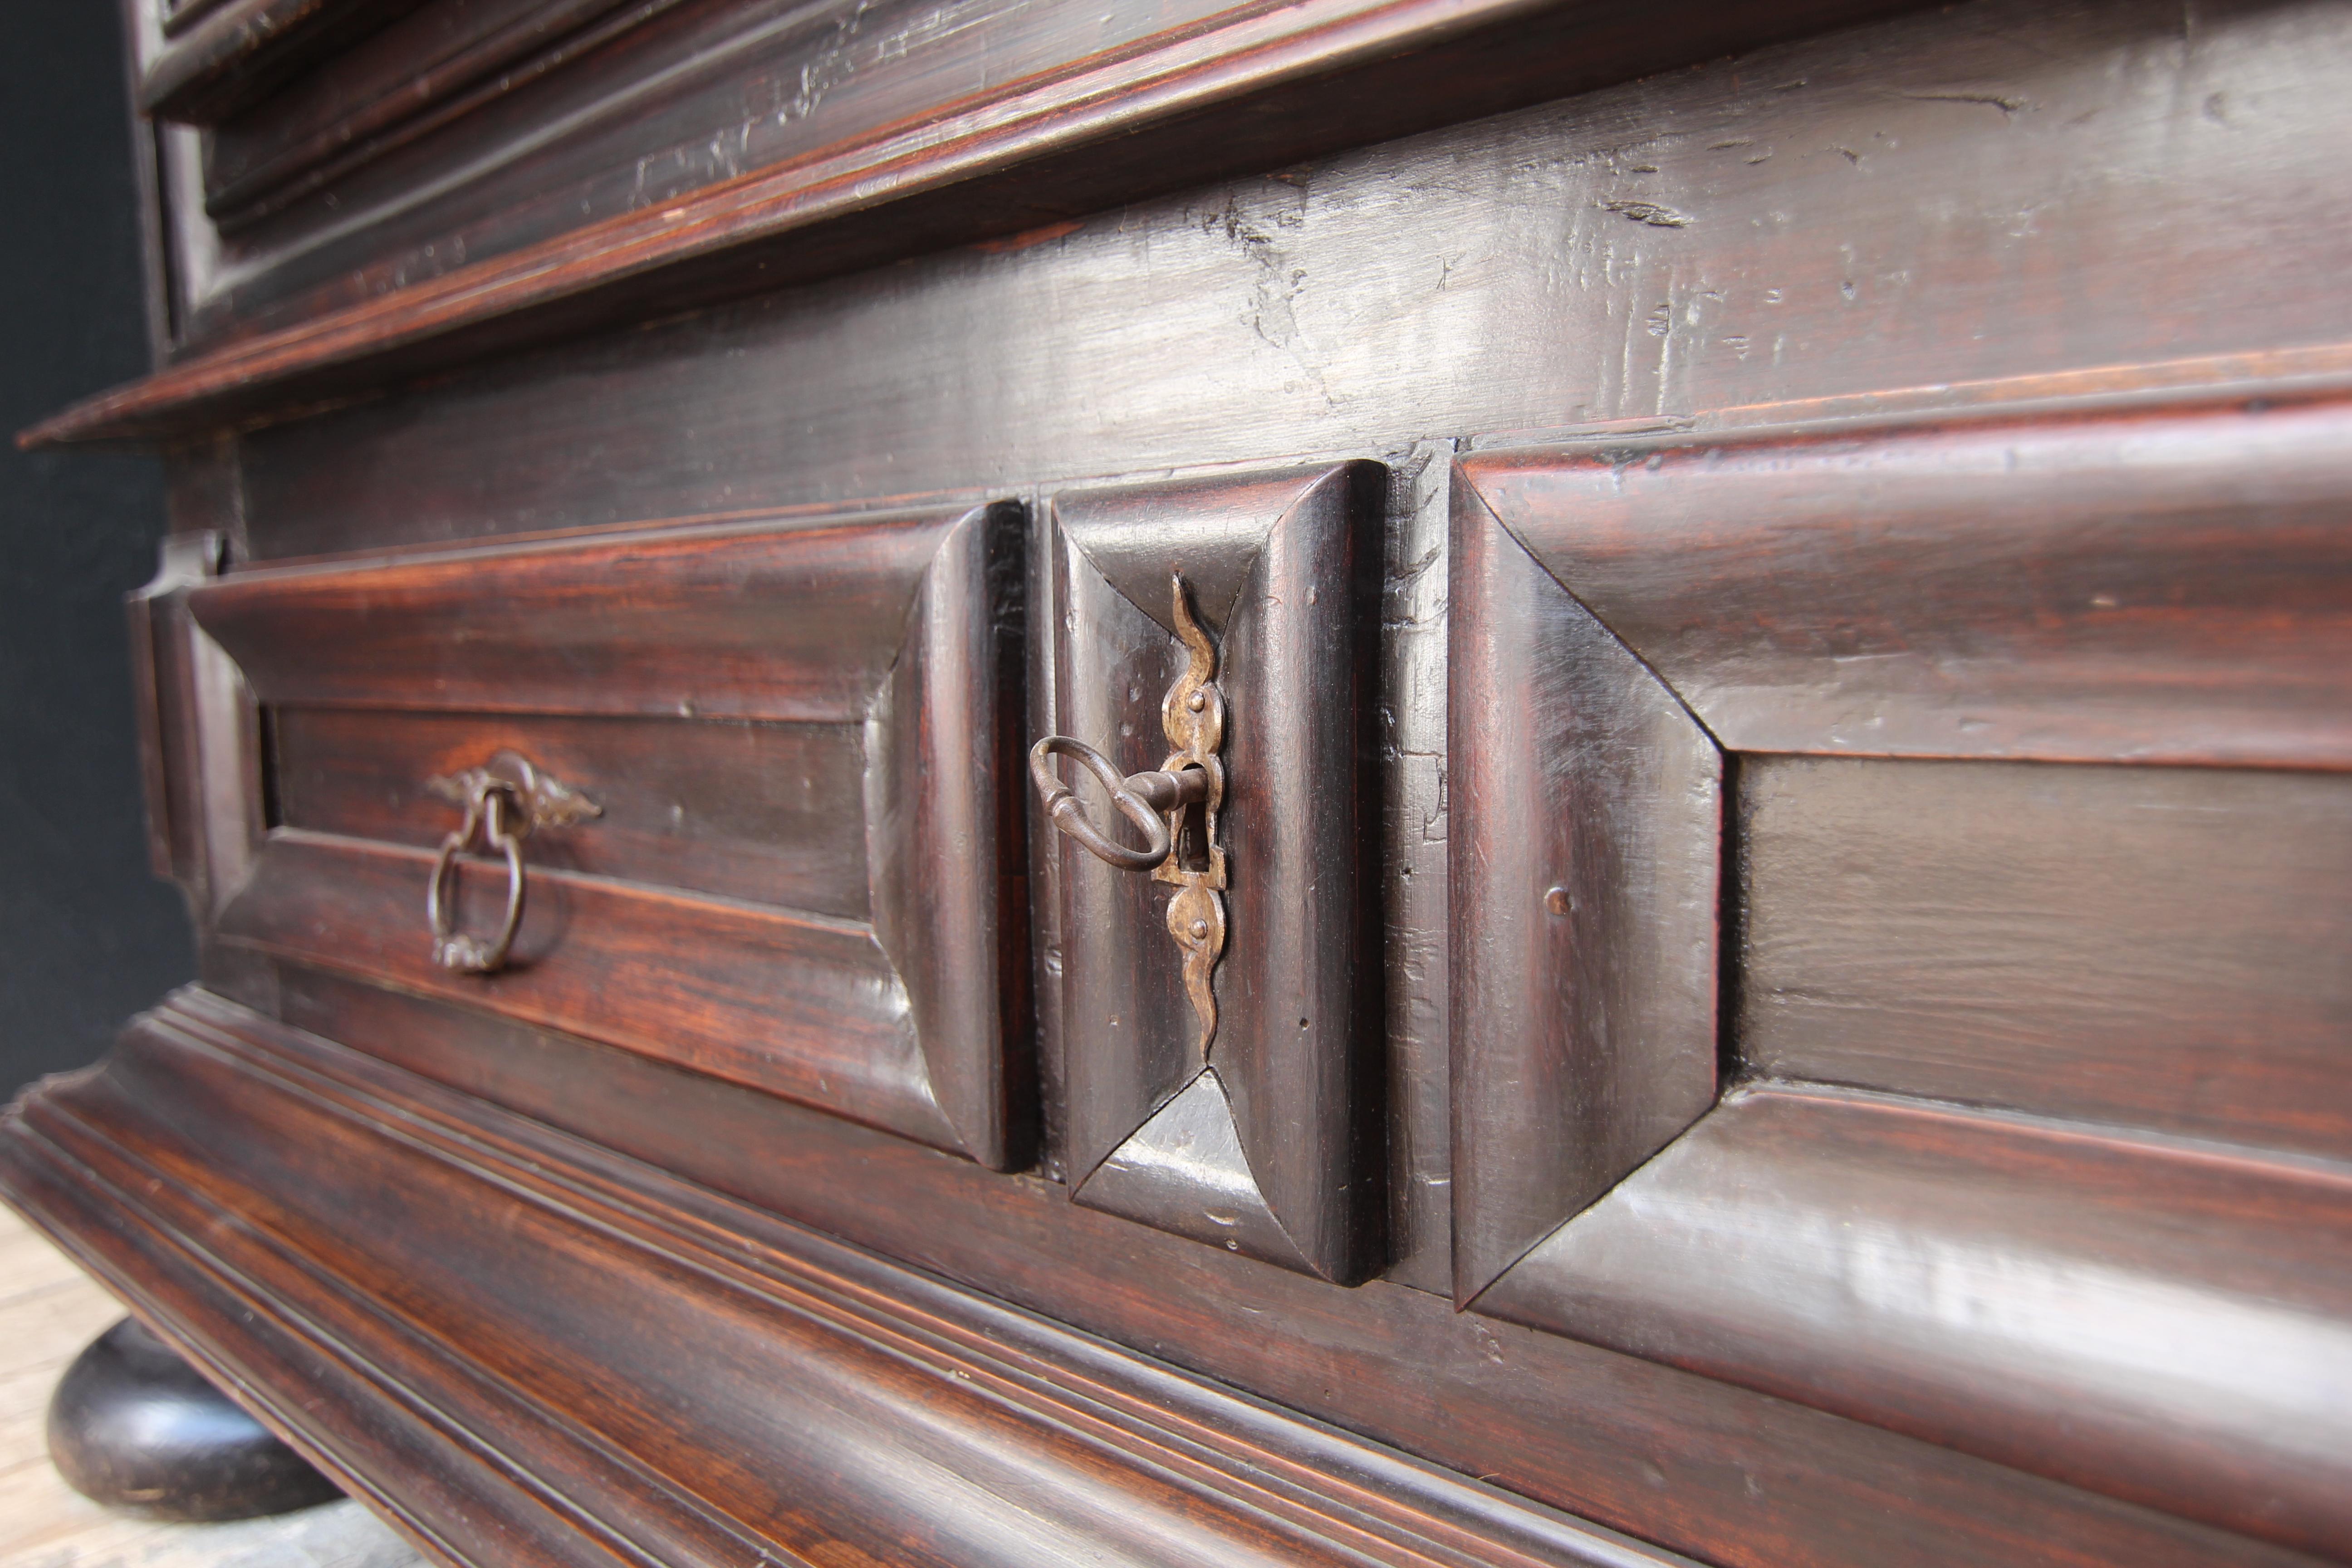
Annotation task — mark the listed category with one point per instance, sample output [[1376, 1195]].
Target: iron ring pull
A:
[[1144, 799], [505, 799], [489, 807]]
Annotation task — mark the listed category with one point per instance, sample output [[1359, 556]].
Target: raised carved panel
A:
[[199, 733], [2103, 959], [2159, 584], [1265, 1142], [805, 874], [1585, 864]]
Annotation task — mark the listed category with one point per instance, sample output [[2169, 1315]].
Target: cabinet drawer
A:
[[1899, 874], [1216, 1020], [793, 865]]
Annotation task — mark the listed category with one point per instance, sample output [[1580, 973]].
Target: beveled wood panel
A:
[[199, 733], [795, 1004], [2168, 948], [774, 813], [1585, 855], [801, 732], [2147, 585], [2169, 1324], [681, 623], [2156, 577], [1266, 1140]]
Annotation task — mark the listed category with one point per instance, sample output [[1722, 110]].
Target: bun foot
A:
[[134, 1426]]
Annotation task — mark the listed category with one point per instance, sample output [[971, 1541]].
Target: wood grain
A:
[[741, 621], [231, 54], [199, 733], [772, 814], [946, 853], [2169, 1324], [2153, 947], [1261, 86], [791, 1004], [632, 111], [2161, 585], [1129, 1041], [421, 72], [1948, 274], [1747, 1479], [1281, 568], [155, 617], [1586, 864], [1412, 290], [50, 1309], [828, 700], [1414, 808], [917, 1423]]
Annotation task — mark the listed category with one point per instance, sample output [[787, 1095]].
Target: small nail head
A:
[[1197, 702], [1200, 930]]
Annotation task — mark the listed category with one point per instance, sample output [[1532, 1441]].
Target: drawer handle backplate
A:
[[505, 800]]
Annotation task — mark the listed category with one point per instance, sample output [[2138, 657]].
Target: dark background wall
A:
[[87, 936]]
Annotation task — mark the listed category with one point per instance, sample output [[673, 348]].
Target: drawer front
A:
[[1216, 1026], [800, 870], [1901, 879]]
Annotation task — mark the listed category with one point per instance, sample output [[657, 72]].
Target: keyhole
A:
[[1191, 852]]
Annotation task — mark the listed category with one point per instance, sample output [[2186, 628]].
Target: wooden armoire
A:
[[1147, 782]]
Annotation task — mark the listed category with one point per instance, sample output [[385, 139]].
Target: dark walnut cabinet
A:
[[1696, 900]]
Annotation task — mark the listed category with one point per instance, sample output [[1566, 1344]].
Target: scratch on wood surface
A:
[[2007, 103], [1650, 212]]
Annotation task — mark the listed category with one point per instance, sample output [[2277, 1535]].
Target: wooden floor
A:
[[48, 1310]]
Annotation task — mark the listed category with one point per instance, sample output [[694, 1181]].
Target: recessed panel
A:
[[2168, 947], [771, 813]]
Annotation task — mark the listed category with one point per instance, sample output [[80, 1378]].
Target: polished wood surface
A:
[[795, 1004], [2166, 1323], [1280, 570], [1577, 1426], [1174, 333], [2150, 585], [722, 1336], [1410, 736], [1780, 629], [1586, 861], [2156, 947], [682, 623], [200, 742], [223, 55], [1251, 87], [2154, 951], [50, 1309], [422, 71], [875, 961], [767, 812]]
